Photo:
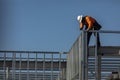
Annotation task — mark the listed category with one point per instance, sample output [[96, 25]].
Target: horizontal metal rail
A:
[[29, 65], [8, 51], [103, 31]]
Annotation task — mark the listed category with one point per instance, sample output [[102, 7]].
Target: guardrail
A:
[[32, 65], [75, 60], [78, 61]]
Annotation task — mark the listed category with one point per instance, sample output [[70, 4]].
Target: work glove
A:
[[80, 28]]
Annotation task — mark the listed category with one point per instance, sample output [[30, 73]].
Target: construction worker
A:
[[90, 24]]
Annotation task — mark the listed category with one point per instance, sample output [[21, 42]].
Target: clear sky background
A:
[[51, 25]]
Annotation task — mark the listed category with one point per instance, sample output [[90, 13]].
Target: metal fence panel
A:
[[74, 60], [32, 65], [80, 66]]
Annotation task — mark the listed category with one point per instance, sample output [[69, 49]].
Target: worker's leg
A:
[[88, 37], [98, 39], [88, 40]]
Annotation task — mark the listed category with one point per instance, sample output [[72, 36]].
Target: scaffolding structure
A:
[[73, 65], [32, 65], [98, 65]]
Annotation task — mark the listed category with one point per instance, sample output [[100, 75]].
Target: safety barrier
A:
[[32, 65], [75, 60], [35, 65], [98, 64]]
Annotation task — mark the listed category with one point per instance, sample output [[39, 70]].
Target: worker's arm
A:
[[81, 26], [90, 22]]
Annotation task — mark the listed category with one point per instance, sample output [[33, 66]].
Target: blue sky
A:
[[51, 25]]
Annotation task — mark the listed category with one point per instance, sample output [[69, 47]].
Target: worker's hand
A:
[[80, 29], [87, 29]]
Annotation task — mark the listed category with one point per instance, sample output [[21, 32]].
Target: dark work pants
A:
[[98, 39]]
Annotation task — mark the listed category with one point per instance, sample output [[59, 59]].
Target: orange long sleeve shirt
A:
[[89, 21]]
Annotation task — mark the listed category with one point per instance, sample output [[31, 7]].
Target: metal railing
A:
[[76, 59], [32, 65], [36, 65], [80, 66]]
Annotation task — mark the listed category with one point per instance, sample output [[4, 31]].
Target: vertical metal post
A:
[[51, 66], [36, 67], [44, 66], [80, 57], [60, 65], [20, 67], [85, 56], [13, 66], [71, 62], [81, 76], [4, 67], [28, 67], [97, 61], [68, 66], [99, 67]]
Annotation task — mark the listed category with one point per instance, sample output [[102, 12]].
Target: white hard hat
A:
[[79, 18]]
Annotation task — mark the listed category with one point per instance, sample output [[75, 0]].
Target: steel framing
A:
[[37, 65], [32, 65], [94, 66]]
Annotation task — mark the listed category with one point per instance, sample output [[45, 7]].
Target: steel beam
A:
[[106, 51]]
